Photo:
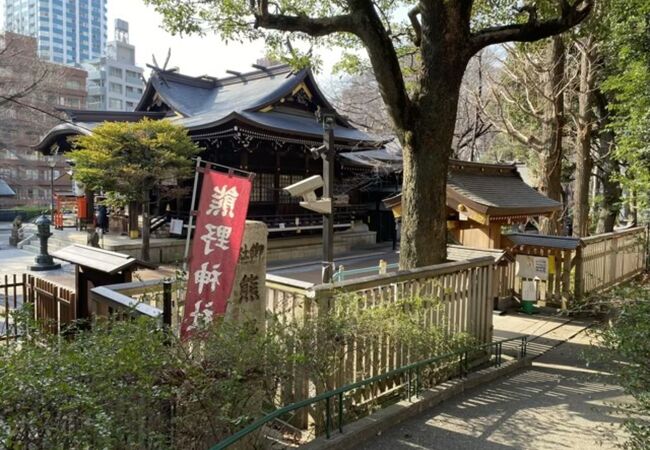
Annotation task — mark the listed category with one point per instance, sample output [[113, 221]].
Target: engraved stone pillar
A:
[[248, 298]]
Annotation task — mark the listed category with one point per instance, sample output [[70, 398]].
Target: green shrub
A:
[[625, 339], [129, 385]]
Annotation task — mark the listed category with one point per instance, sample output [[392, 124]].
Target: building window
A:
[[72, 84], [115, 72], [114, 103], [73, 101], [263, 186], [115, 88]]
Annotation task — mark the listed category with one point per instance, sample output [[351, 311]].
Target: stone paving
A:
[[560, 403]]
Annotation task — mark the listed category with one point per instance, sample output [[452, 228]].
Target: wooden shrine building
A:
[[263, 121], [483, 199]]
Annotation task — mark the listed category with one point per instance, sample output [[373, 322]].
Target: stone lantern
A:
[[44, 261]]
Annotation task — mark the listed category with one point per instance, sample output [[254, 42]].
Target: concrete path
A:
[[559, 403]]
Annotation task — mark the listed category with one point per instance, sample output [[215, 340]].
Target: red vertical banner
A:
[[216, 243]]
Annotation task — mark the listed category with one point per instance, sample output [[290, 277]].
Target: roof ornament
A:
[[156, 68]]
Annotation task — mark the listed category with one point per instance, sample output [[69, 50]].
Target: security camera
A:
[[305, 187], [317, 152], [307, 190]]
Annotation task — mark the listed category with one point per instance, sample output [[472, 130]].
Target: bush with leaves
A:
[[625, 340], [129, 384]]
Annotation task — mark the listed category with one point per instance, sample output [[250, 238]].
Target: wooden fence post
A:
[[579, 275]]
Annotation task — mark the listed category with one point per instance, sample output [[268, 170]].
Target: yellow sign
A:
[[551, 264]]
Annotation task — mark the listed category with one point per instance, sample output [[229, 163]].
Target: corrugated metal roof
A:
[[542, 240], [5, 189], [95, 258]]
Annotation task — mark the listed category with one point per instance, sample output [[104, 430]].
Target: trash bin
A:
[[528, 307]]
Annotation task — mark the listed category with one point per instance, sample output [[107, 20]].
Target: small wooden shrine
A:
[[482, 199]]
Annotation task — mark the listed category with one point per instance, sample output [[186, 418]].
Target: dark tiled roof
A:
[[382, 158], [5, 190], [541, 240], [492, 189], [207, 102], [201, 103], [496, 194]]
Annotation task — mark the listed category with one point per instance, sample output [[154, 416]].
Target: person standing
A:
[[102, 218]]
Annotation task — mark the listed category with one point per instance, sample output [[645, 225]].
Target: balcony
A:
[[133, 95]]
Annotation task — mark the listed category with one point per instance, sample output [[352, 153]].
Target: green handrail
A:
[[326, 396]]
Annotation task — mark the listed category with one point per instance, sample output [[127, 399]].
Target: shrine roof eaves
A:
[[492, 189]]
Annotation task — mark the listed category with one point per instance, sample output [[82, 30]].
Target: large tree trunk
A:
[[146, 225], [424, 207], [586, 120], [552, 132], [426, 144], [609, 167]]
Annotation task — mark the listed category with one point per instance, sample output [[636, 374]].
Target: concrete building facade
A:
[[115, 83], [68, 32], [37, 88]]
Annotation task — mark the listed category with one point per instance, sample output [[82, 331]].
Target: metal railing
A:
[[413, 387], [342, 273]]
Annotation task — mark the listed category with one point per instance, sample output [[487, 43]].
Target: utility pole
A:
[[328, 118]]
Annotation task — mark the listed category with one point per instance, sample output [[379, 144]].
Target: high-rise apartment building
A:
[[115, 83], [67, 31], [37, 89]]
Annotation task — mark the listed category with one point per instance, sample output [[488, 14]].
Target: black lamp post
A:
[[52, 163], [44, 261]]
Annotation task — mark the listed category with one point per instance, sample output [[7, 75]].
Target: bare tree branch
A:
[[533, 29], [415, 22]]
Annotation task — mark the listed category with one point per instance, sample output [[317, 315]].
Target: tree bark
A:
[[427, 141], [552, 131], [608, 168], [133, 216], [586, 120]]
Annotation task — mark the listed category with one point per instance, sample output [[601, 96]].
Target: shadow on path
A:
[[557, 404]]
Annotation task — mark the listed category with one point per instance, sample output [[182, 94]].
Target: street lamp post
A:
[[52, 164]]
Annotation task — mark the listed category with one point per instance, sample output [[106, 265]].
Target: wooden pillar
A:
[[276, 183], [566, 278], [579, 275]]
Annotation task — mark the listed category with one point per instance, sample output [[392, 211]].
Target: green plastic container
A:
[[528, 307]]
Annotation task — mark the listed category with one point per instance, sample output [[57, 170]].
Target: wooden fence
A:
[[54, 305], [598, 263], [611, 258], [463, 302]]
